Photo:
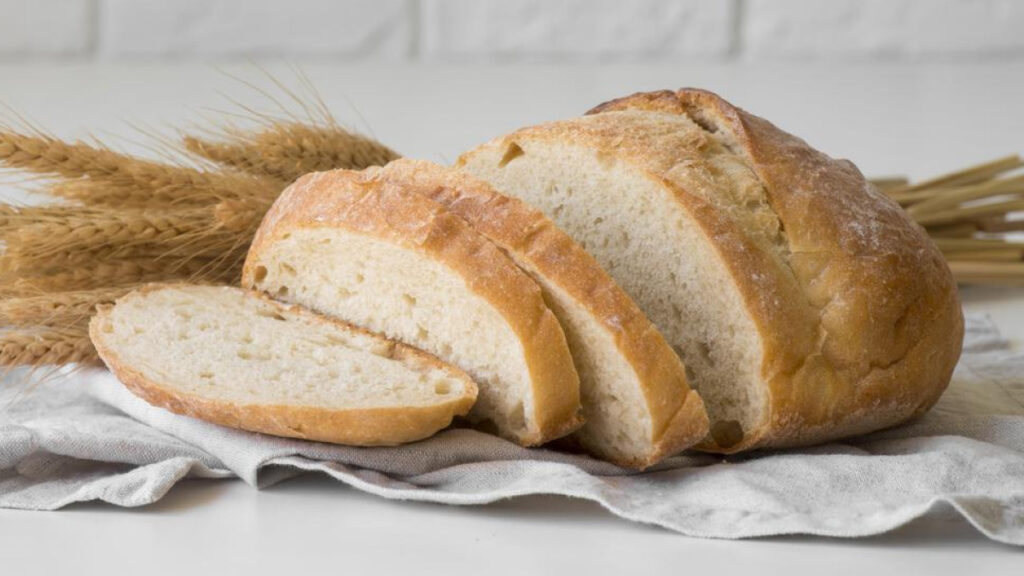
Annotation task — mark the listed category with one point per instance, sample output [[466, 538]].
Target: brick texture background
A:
[[513, 30]]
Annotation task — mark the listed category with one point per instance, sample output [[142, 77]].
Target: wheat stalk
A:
[[71, 235], [158, 245], [999, 224], [951, 197], [37, 278], [47, 346], [287, 150], [994, 273], [100, 194], [125, 221], [988, 255], [112, 175], [964, 176], [60, 309], [968, 213]]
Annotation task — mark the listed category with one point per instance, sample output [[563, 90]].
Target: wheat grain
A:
[[240, 217]]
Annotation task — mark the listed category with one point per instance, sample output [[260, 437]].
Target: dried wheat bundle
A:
[[125, 221], [973, 215]]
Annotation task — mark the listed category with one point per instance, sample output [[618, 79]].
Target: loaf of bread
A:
[[367, 250], [566, 268], [238, 359], [636, 402], [805, 304]]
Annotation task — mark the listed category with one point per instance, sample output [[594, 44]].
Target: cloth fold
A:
[[84, 437]]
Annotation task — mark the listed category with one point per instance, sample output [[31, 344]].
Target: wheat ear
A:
[[59, 309], [33, 280], [287, 150], [123, 174], [47, 346]]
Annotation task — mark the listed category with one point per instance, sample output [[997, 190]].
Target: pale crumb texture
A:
[[632, 385], [224, 344], [406, 296], [647, 242], [618, 421], [632, 224]]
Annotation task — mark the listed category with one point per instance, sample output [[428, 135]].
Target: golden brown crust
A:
[[383, 426], [886, 328], [535, 242], [689, 422], [365, 203]]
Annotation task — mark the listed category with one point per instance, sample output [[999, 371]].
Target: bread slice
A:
[[358, 247], [636, 402], [806, 305], [235, 358]]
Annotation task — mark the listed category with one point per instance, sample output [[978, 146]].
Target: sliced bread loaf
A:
[[805, 303], [235, 358], [636, 402], [364, 249]]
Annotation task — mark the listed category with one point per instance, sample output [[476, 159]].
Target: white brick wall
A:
[[45, 27], [508, 30], [607, 29], [882, 28], [354, 28]]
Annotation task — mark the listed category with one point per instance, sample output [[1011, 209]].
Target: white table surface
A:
[[916, 120]]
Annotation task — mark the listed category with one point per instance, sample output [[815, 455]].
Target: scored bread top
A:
[[367, 204], [856, 310], [872, 294], [677, 417], [216, 353]]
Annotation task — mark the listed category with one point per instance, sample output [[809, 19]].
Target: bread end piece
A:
[[367, 426]]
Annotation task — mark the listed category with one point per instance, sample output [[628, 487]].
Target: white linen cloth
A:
[[85, 437]]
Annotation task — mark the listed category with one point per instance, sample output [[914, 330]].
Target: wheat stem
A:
[[950, 244], [969, 175], [968, 212], [947, 198], [890, 183], [957, 230], [993, 255], [998, 224]]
